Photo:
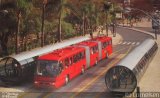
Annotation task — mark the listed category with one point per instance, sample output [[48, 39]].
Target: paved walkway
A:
[[115, 40], [150, 82]]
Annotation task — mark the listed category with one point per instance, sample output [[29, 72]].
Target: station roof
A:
[[132, 59], [28, 55]]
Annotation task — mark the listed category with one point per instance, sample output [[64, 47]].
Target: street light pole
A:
[[148, 16]]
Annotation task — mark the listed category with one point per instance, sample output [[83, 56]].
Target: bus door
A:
[[109, 46], [104, 50], [69, 67], [81, 62], [94, 55]]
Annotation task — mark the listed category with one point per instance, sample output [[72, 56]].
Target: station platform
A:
[[150, 81]]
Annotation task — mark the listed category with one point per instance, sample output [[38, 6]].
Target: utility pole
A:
[[123, 18]]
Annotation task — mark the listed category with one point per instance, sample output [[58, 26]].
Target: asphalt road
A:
[[91, 83]]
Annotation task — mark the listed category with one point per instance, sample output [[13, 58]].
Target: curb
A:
[[146, 32], [138, 30]]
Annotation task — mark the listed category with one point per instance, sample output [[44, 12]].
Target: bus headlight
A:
[[36, 82], [52, 83]]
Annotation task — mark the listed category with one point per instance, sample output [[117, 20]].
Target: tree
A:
[[7, 29], [21, 9], [147, 5], [107, 7]]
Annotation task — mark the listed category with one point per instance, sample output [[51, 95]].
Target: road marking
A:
[[137, 43], [96, 78], [89, 83], [119, 50], [119, 42], [128, 43], [124, 43], [133, 43]]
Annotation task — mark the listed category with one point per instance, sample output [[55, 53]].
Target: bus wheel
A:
[[82, 70], [66, 79]]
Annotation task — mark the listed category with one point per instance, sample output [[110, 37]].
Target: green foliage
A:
[[67, 30], [7, 21], [67, 13], [50, 26], [22, 4]]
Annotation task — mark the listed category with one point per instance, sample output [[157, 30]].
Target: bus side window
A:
[[70, 61], [95, 49], [78, 56], [66, 61], [104, 45], [83, 55], [91, 50], [61, 66], [110, 42], [75, 58]]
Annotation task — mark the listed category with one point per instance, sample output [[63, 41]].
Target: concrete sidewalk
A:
[[150, 82], [115, 40]]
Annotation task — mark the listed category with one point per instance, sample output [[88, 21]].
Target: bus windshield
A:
[[47, 68]]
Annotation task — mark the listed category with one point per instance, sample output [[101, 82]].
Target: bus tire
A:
[[66, 79]]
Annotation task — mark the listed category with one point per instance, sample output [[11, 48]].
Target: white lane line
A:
[[119, 42], [124, 43], [128, 43], [133, 43], [137, 43]]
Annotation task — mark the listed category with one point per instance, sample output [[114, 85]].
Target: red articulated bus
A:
[[58, 67]]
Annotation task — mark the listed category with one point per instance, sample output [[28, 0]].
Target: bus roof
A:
[[102, 38], [61, 53], [87, 43]]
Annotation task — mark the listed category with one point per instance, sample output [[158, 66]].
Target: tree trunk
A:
[[60, 27], [42, 28], [83, 25], [4, 48], [106, 23], [17, 33], [4, 41], [91, 29]]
